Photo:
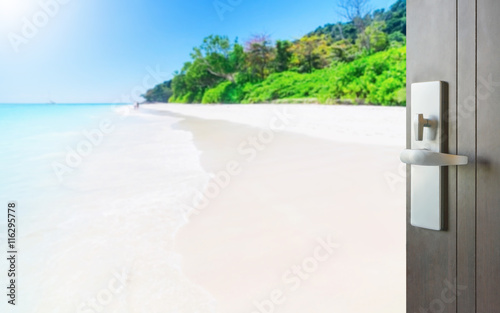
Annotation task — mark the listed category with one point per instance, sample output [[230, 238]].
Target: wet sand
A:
[[306, 225]]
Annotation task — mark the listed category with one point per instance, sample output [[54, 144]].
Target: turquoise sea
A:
[[101, 190], [33, 135]]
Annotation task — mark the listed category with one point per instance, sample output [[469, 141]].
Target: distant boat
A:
[[50, 98]]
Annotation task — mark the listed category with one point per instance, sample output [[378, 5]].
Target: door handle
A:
[[428, 175], [419, 122], [430, 158]]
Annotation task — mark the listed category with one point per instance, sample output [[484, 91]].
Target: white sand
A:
[[101, 240], [243, 243], [113, 236], [345, 123]]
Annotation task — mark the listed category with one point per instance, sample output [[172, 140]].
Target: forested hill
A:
[[394, 18], [360, 61]]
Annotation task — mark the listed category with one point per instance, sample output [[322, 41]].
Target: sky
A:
[[95, 51]]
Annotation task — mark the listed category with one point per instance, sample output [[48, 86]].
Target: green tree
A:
[[395, 18], [337, 31], [283, 56], [309, 53], [219, 57], [260, 53], [397, 37], [344, 50], [191, 82], [373, 38], [357, 12], [160, 93], [335, 63]]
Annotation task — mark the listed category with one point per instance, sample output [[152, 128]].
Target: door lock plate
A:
[[427, 103]]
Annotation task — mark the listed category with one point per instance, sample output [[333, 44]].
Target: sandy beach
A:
[[210, 209], [304, 211]]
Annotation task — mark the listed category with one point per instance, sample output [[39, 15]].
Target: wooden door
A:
[[458, 269]]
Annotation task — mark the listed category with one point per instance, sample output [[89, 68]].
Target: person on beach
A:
[[136, 105]]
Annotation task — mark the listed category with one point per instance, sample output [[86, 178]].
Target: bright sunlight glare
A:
[[12, 11]]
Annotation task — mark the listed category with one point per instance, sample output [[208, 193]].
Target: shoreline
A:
[[297, 189], [113, 216], [372, 125]]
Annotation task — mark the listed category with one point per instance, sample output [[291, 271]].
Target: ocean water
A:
[[101, 191]]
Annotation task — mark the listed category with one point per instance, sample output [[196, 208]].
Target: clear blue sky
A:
[[100, 51]]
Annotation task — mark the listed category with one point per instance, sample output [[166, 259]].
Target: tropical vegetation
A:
[[362, 61]]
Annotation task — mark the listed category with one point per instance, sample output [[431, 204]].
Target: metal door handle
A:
[[419, 122], [430, 158]]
